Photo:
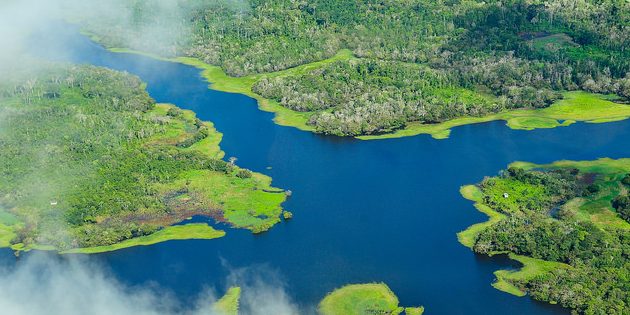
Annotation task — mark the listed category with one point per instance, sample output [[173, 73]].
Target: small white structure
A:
[[53, 203], [505, 195]]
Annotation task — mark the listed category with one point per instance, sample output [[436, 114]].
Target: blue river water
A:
[[364, 211]]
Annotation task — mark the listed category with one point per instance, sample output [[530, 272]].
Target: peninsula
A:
[[567, 223], [91, 164]]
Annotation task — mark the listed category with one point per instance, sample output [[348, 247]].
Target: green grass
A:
[[605, 166], [175, 132], [359, 299], [249, 202], [553, 43], [220, 81], [246, 203], [414, 310], [532, 268], [468, 236], [229, 303], [7, 233], [596, 208], [176, 232], [8, 225], [576, 106]]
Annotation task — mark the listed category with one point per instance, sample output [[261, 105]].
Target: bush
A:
[[242, 173]]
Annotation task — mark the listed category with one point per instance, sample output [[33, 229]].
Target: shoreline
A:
[[531, 267], [202, 180], [576, 106], [364, 298]]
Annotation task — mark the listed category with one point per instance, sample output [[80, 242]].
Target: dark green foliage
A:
[[244, 173], [434, 60], [597, 283], [75, 153], [602, 290], [174, 112], [367, 96], [626, 180], [200, 134], [622, 204]]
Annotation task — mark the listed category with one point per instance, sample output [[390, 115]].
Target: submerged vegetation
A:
[[89, 162], [565, 223], [410, 64]]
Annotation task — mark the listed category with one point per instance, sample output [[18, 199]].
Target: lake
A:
[[364, 211]]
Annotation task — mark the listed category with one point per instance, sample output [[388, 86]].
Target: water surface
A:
[[365, 211]]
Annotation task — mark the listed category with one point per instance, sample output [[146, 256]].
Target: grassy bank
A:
[[594, 208], [371, 298], [196, 231], [531, 268], [576, 106], [8, 226], [565, 222], [229, 303], [119, 170], [220, 81], [468, 236], [504, 278]]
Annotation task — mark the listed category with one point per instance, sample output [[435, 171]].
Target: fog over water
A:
[[49, 284], [74, 285], [365, 211]]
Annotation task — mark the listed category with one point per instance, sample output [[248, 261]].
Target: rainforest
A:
[[314, 157]]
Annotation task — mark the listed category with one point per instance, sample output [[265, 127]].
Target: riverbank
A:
[[557, 220], [576, 106], [220, 81], [505, 279], [139, 168], [193, 231]]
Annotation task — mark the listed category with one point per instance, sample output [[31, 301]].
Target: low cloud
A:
[[71, 285], [42, 283], [263, 291]]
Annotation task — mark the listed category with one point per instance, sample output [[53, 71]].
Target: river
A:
[[364, 211]]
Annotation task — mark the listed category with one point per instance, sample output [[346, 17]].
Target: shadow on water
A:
[[365, 211]]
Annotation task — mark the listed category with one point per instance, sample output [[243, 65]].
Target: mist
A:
[[73, 285], [44, 283], [157, 26]]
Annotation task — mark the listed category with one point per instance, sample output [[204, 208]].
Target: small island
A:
[[369, 298], [568, 224], [229, 303], [356, 299], [91, 164]]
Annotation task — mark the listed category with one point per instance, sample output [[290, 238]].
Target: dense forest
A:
[[419, 60], [571, 214], [88, 159]]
